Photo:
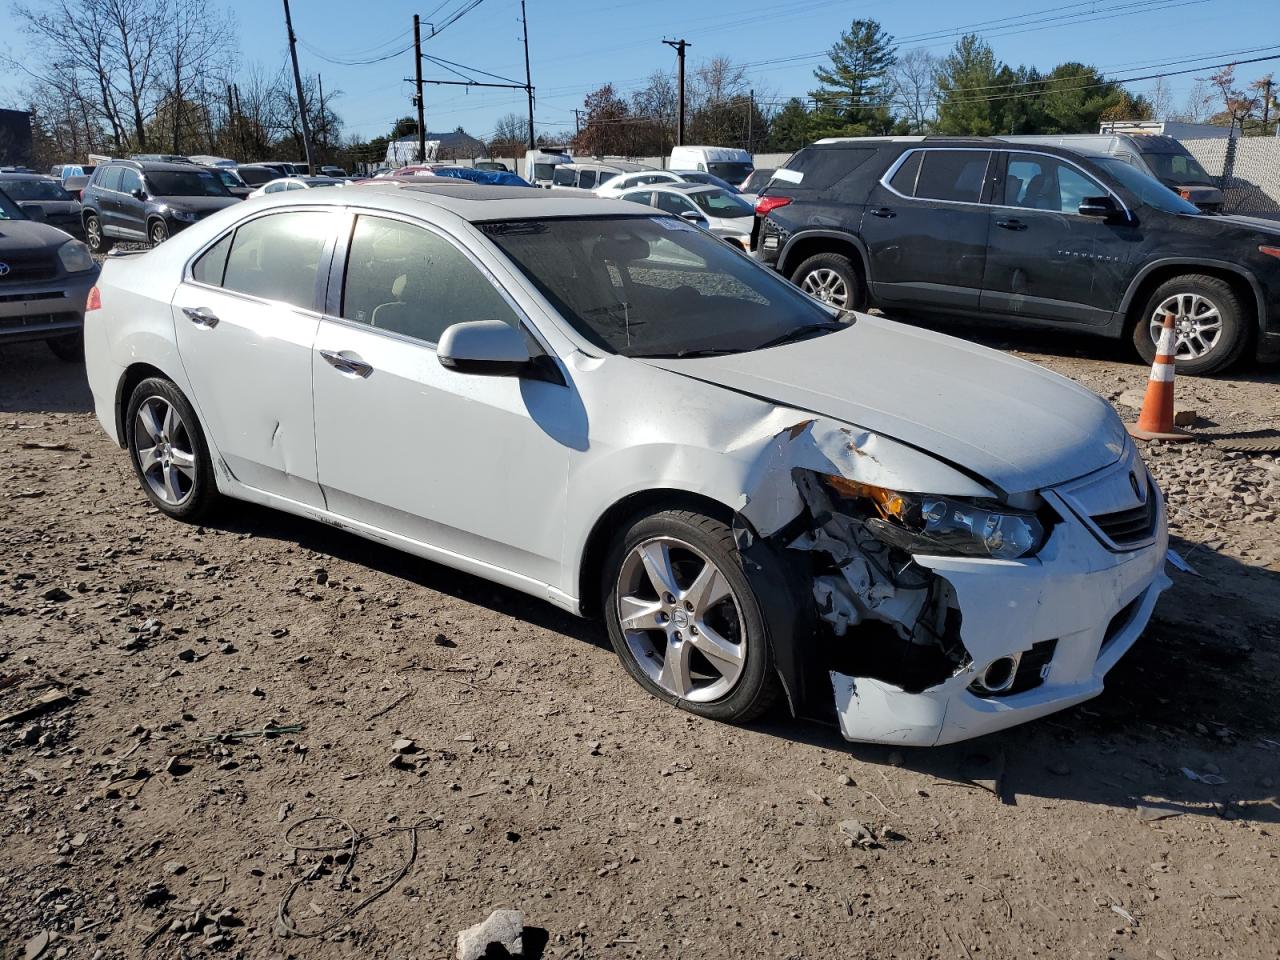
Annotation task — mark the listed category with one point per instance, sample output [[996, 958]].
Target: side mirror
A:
[[694, 217], [486, 347], [138, 194], [1100, 208]]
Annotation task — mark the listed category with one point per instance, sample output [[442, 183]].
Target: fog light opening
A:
[[998, 675]]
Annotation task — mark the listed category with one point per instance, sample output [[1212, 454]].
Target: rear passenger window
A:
[[212, 263], [904, 180], [563, 177], [955, 175], [823, 167], [407, 280], [277, 257], [111, 178], [587, 179], [640, 196]]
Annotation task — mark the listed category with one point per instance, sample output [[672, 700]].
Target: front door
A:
[[926, 229], [1044, 260], [131, 219], [466, 464], [246, 322]]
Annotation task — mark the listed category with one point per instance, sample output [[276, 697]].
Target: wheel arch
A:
[[803, 245], [133, 375], [1157, 272]]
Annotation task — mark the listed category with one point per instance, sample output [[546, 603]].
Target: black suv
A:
[[145, 200], [1032, 234]]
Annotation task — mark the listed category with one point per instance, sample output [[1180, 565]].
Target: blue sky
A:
[[575, 46]]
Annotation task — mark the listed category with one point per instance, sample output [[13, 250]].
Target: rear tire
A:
[[706, 647], [93, 234], [832, 278], [68, 348], [168, 450], [1211, 322]]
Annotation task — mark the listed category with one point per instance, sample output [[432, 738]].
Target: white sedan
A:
[[605, 407], [285, 184]]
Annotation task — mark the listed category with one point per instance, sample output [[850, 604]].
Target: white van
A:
[[589, 174], [727, 163], [540, 165]]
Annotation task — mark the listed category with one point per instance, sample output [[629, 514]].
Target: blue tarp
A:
[[494, 178]]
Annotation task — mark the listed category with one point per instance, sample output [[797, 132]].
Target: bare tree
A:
[[1161, 99], [1197, 107], [509, 135], [913, 85]]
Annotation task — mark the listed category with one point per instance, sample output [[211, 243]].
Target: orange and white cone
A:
[[1155, 422]]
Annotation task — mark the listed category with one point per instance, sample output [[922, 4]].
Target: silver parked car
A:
[[45, 278], [725, 214]]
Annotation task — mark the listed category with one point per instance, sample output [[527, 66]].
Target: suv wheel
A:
[[158, 232], [93, 234], [684, 619], [1209, 321], [168, 451], [831, 278]]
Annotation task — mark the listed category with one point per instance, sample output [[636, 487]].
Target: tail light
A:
[[93, 301], [765, 204], [1270, 251]]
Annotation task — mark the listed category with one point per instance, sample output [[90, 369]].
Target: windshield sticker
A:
[[673, 223], [790, 176]]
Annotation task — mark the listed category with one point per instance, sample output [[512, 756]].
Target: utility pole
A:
[[679, 46], [577, 121], [297, 82], [528, 79], [417, 74], [1266, 106], [323, 132], [751, 115]]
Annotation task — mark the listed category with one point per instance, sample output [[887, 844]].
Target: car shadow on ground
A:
[[1196, 693], [33, 380], [1063, 343]]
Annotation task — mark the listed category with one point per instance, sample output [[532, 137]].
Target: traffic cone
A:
[[1155, 422]]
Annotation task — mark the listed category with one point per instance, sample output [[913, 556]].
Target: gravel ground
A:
[[540, 778]]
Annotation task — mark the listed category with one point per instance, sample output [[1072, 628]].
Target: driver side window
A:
[[130, 180], [407, 280], [672, 203]]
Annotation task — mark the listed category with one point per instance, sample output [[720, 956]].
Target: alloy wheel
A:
[[168, 461], [1197, 324], [828, 286], [681, 620], [159, 233], [94, 230]]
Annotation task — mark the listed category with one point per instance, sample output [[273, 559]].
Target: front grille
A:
[[28, 269], [1127, 528]]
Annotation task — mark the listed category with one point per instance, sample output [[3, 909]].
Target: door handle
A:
[[346, 364], [884, 213], [201, 317], [1011, 224]]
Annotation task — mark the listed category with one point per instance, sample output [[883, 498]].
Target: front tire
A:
[[158, 232], [68, 348], [168, 450], [831, 278], [1209, 320], [93, 235], [684, 619]]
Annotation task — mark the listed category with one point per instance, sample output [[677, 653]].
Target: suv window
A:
[[408, 280], [904, 179], [110, 179], [277, 257], [822, 167], [130, 180], [1036, 182], [955, 175]]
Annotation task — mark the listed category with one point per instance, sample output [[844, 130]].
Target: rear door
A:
[[1044, 260], [106, 195], [131, 217], [246, 320], [926, 225]]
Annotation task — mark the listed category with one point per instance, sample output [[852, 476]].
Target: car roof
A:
[[156, 166], [478, 202], [681, 187], [13, 175]]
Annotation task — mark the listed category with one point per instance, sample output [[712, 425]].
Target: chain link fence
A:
[[1247, 169]]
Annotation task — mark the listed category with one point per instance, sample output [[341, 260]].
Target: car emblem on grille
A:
[[4, 269]]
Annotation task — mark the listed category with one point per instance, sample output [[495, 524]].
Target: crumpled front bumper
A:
[[1094, 602]]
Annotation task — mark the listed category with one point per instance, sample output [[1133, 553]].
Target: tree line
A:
[[870, 87]]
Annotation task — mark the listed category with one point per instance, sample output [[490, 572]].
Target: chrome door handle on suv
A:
[[201, 317], [884, 213], [346, 364], [1011, 224]]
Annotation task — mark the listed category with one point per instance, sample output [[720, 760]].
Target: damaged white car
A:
[[921, 539]]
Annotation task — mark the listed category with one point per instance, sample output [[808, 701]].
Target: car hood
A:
[[198, 204], [1262, 224], [29, 236], [1010, 422]]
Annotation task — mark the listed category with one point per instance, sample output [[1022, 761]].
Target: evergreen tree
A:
[[789, 129], [853, 99], [971, 98]]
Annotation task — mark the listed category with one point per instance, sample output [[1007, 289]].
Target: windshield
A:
[[1177, 170], [543, 171], [654, 286], [735, 173], [1148, 190], [36, 190], [185, 183], [10, 210], [228, 178], [721, 203]]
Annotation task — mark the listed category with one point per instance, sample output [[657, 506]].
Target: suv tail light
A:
[[1270, 251], [93, 301], [766, 204]]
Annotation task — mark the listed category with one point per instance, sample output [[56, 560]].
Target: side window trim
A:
[[337, 278]]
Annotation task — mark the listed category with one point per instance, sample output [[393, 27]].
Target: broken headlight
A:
[[924, 523]]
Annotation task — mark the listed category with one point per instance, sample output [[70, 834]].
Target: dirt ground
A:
[[541, 778]]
